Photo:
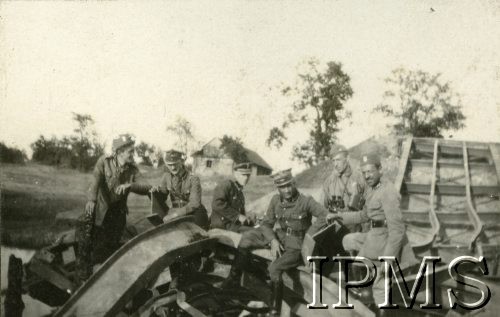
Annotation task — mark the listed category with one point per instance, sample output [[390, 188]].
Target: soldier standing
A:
[[101, 226], [387, 234], [291, 213], [228, 204], [342, 191]]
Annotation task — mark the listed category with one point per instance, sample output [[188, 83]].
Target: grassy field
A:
[[39, 202]]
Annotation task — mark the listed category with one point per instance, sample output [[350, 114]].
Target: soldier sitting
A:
[[184, 190], [228, 204], [292, 213], [387, 234]]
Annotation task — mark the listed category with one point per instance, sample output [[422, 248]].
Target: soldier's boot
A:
[[357, 273], [276, 299], [234, 278]]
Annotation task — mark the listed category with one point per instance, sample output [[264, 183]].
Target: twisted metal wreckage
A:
[[450, 201]]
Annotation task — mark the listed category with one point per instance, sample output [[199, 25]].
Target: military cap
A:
[[370, 158], [243, 168], [336, 149], [121, 141], [283, 177], [173, 156]]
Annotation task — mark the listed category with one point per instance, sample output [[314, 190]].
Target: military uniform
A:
[[229, 202], [341, 192], [387, 236], [184, 190], [227, 205], [293, 220], [98, 234], [288, 221]]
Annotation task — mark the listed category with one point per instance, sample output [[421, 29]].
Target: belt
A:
[[297, 233], [378, 223]]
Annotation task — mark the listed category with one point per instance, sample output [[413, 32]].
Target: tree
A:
[[11, 154], [183, 131], [234, 148], [79, 151], [145, 152], [421, 104], [318, 102]]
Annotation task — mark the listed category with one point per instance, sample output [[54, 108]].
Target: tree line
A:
[[417, 102]]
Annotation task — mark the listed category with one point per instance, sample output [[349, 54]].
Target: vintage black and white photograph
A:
[[250, 158]]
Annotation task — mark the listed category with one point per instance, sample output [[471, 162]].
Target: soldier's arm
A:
[[137, 184], [319, 212], [194, 197], [354, 217], [395, 224], [269, 220], [97, 179], [220, 202]]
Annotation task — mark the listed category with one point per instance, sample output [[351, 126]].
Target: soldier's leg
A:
[[353, 241], [288, 260], [84, 238], [108, 236], [201, 218], [251, 239]]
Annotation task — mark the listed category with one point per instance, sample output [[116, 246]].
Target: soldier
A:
[[228, 204], [387, 236], [342, 191], [184, 190], [101, 226], [292, 213]]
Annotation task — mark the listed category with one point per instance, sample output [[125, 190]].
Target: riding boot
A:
[[276, 299], [234, 278]]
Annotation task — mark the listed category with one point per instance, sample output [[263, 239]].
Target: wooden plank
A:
[[495, 153], [436, 226], [474, 153], [451, 218], [447, 163], [449, 189], [403, 161], [471, 211]]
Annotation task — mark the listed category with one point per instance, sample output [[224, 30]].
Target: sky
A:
[[136, 66]]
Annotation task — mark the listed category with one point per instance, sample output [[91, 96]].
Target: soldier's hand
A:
[[122, 189], [276, 248], [332, 217], [90, 207], [242, 219], [154, 189], [170, 216]]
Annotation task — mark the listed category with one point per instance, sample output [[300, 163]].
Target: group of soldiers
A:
[[365, 205]]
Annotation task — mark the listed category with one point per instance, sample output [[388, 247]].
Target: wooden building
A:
[[211, 160]]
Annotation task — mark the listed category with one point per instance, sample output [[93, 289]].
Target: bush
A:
[[11, 155]]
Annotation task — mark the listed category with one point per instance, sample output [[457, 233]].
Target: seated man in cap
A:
[[342, 191], [101, 226], [228, 204], [387, 236], [291, 212], [184, 190]]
